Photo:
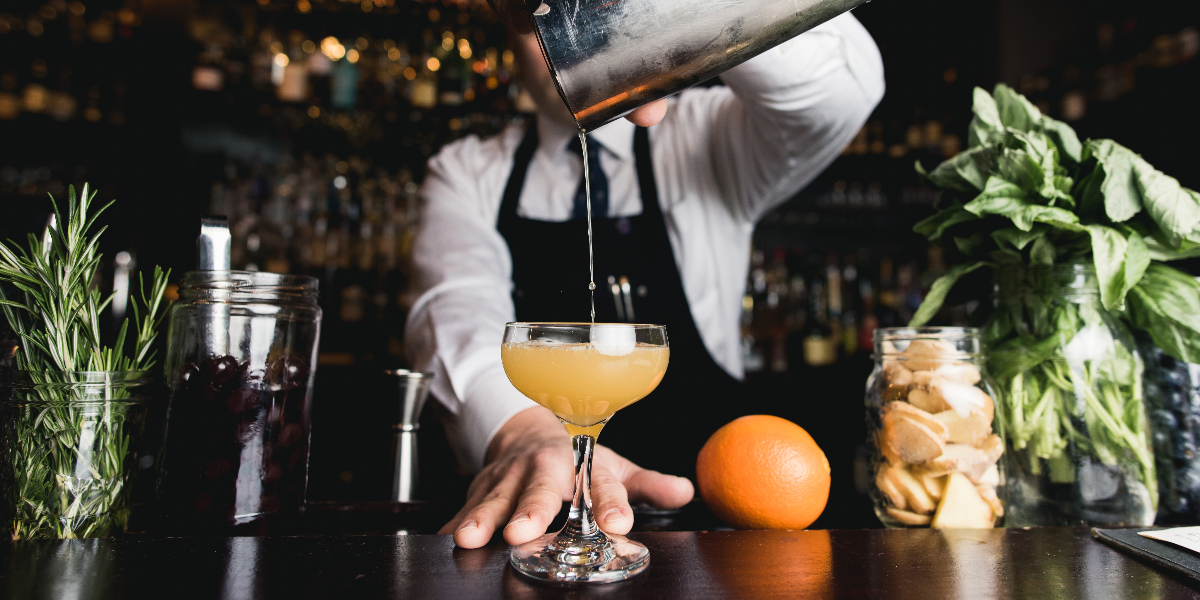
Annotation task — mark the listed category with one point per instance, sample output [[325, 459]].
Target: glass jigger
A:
[[583, 373]]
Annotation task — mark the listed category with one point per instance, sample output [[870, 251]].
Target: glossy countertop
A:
[[1001, 563]]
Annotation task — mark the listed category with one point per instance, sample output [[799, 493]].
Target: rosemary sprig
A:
[[68, 460]]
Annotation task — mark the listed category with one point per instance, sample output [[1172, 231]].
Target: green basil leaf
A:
[[1022, 168], [1003, 198], [1163, 252], [970, 245], [1108, 254], [999, 197], [1042, 252], [996, 205], [999, 187], [1166, 304], [933, 227], [998, 326], [937, 292], [1175, 209], [966, 171], [1031, 160], [1035, 143], [1017, 238], [1069, 148], [1137, 257], [1062, 189], [1043, 214], [986, 122], [1088, 190], [1070, 225], [1015, 111], [1122, 199], [1018, 355]]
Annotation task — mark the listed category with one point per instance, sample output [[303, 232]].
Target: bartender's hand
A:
[[516, 17], [530, 474]]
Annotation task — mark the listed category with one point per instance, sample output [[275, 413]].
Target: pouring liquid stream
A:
[[587, 188]]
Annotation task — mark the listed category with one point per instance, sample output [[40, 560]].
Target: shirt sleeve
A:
[[462, 278], [785, 116]]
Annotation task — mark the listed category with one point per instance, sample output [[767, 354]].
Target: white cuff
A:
[[491, 401]]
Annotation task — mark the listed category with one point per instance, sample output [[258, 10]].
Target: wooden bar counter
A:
[[1038, 563]]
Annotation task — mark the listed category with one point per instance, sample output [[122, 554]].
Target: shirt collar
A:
[[616, 137]]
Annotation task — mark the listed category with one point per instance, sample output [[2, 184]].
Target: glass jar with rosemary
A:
[[68, 451], [74, 410]]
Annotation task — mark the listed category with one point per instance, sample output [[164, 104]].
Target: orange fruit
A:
[[763, 472]]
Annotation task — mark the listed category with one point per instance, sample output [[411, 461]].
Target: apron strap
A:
[[645, 171], [516, 179]]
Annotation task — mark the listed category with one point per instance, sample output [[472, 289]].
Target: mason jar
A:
[[69, 452], [241, 357], [1079, 445], [933, 431]]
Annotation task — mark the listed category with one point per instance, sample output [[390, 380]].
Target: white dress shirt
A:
[[722, 156]]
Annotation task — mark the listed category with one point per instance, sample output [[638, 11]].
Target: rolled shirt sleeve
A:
[[791, 112]]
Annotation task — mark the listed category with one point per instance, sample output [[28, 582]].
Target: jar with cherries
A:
[[241, 359]]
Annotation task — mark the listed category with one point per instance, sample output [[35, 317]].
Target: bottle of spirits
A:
[[819, 349]]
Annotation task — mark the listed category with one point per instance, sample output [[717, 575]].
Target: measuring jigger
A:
[[412, 388], [609, 57]]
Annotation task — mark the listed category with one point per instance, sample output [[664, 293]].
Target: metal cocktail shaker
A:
[[609, 57]]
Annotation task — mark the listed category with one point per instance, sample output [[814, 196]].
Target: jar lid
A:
[[248, 286], [951, 342]]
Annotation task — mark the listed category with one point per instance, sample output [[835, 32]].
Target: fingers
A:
[[648, 114], [488, 506], [643, 485], [477, 527], [520, 493], [610, 502], [541, 498], [659, 490], [523, 493]]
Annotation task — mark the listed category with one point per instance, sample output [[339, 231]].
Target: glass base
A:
[[566, 559]]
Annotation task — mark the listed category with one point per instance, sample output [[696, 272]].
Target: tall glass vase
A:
[[1070, 381], [69, 452]]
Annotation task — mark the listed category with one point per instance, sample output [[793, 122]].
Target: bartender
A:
[[676, 190]]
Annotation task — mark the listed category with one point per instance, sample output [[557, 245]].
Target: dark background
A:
[[1111, 69]]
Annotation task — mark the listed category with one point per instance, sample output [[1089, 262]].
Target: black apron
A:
[[665, 430]]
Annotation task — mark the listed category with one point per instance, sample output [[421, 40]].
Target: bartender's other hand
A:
[[529, 475], [648, 114]]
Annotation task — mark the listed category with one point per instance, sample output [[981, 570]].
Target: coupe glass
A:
[[583, 373]]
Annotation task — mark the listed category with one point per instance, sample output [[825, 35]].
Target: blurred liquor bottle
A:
[[820, 348]]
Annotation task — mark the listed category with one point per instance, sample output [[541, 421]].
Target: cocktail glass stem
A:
[[580, 522]]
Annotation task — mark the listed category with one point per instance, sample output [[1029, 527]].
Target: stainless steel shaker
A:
[[413, 389], [609, 57]]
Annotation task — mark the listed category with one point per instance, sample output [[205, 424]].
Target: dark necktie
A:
[[599, 183]]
